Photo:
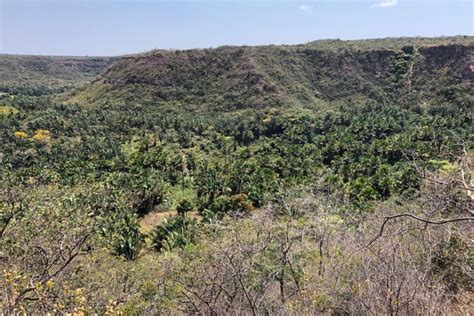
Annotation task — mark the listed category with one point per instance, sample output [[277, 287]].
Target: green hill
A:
[[310, 75], [51, 71]]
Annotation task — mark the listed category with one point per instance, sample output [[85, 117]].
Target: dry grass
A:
[[151, 220]]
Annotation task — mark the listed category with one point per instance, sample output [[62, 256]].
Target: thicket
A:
[[277, 211]]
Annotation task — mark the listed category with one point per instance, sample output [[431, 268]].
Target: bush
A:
[[184, 206], [123, 233], [236, 205], [174, 233], [449, 264]]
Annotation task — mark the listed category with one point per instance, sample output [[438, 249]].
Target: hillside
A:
[[310, 75], [331, 178], [51, 71]]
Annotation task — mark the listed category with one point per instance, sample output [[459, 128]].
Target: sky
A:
[[115, 27]]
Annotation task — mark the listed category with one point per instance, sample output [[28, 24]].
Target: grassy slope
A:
[[310, 75]]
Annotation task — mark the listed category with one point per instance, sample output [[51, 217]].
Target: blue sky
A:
[[113, 27]]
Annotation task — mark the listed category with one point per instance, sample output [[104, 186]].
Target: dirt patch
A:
[[151, 220]]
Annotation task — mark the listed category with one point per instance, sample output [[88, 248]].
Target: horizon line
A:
[[242, 45]]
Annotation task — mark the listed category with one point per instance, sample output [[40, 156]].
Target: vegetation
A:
[[330, 177], [311, 76], [29, 72]]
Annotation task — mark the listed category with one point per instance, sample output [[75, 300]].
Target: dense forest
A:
[[332, 177]]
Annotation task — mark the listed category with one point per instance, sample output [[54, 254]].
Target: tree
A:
[[184, 207]]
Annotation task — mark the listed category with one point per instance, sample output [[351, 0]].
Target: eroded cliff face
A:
[[199, 78], [232, 78]]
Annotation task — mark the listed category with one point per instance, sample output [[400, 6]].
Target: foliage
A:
[[235, 205], [29, 72], [184, 207], [448, 262], [123, 233], [308, 76], [174, 233], [292, 156]]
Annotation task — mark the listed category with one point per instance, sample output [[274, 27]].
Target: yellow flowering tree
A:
[[42, 134], [21, 134]]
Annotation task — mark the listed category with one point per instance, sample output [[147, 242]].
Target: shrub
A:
[[184, 206], [123, 233], [449, 262], [236, 205], [174, 233]]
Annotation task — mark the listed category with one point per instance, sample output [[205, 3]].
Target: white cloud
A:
[[385, 4], [306, 8]]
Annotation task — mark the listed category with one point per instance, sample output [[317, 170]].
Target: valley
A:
[[333, 177]]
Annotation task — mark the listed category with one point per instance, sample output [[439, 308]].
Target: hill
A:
[[310, 75], [51, 71], [215, 182]]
